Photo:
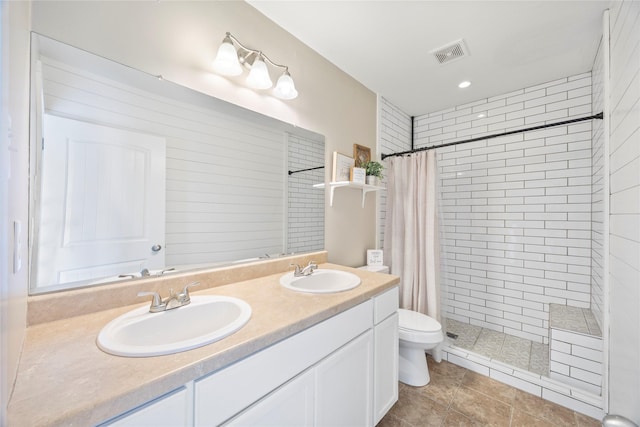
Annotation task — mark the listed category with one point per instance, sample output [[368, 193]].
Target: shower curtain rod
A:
[[480, 138], [305, 170]]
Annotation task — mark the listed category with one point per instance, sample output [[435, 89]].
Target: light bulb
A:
[[285, 89], [258, 77], [226, 62]]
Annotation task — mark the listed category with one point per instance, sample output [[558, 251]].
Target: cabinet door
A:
[[225, 393], [344, 385], [290, 405], [171, 410], [385, 378]]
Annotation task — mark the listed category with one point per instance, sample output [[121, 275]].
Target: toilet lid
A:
[[414, 321]]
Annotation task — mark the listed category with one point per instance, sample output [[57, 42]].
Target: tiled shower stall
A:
[[521, 229]]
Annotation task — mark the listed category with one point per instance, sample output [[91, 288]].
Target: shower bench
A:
[[575, 347]]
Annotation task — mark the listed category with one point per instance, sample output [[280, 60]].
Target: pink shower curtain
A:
[[411, 231]]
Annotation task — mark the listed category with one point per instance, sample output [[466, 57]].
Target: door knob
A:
[[156, 248]]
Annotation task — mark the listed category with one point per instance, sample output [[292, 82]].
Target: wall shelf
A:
[[365, 188]]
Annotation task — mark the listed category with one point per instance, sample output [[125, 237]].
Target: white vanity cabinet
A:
[[170, 410], [344, 385], [291, 405], [225, 393], [335, 392], [386, 341], [342, 371]]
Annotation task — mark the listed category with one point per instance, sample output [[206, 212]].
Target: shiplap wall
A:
[[598, 190], [305, 227], [624, 235], [225, 176], [516, 210]]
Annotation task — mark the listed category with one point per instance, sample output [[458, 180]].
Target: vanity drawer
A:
[[172, 409], [385, 304]]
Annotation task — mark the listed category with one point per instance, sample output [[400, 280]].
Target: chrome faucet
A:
[[172, 301], [306, 271]]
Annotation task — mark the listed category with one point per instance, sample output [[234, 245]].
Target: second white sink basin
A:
[[208, 318], [321, 281]]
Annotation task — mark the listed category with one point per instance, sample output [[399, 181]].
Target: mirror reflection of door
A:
[[86, 234]]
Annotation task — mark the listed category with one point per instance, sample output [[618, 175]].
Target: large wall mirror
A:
[[132, 175]]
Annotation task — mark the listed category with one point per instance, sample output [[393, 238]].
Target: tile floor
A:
[[514, 351], [459, 397]]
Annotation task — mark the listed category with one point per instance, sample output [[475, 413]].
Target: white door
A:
[[102, 203]]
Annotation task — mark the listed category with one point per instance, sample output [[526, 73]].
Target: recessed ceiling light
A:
[[464, 84]]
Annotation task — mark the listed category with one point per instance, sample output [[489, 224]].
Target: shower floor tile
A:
[[539, 360], [509, 349], [467, 334], [489, 343]]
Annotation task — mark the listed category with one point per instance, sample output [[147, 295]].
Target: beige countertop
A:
[[64, 379]]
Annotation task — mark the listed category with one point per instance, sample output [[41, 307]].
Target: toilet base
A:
[[413, 369]]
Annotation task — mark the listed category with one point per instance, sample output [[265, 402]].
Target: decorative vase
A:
[[372, 180]]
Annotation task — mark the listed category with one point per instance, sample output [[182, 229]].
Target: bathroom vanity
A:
[[302, 359]]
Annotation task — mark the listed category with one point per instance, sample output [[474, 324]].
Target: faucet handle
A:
[[308, 270], [297, 270], [184, 296], [156, 303]]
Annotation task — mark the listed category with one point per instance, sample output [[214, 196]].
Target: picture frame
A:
[[375, 257], [342, 167], [358, 175], [361, 154]]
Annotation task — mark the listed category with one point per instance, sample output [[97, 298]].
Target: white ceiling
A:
[[385, 44]]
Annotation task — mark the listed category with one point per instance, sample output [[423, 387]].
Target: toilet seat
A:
[[417, 322], [418, 328]]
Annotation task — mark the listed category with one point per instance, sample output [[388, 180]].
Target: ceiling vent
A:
[[451, 52]]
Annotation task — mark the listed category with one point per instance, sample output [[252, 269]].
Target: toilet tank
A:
[[376, 268]]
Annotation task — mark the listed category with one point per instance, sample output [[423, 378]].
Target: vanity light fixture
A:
[[464, 84], [232, 55]]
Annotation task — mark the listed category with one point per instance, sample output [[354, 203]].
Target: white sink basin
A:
[[321, 281], [208, 318]]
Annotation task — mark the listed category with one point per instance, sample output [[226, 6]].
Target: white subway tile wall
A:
[[515, 210], [499, 216], [624, 252], [305, 228], [394, 135]]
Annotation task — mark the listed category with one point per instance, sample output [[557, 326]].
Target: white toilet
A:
[[418, 333]]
